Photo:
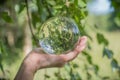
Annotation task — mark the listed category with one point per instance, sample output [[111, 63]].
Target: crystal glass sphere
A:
[[58, 35]]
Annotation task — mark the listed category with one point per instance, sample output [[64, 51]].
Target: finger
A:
[[79, 47]]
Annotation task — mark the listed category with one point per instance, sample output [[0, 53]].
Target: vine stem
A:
[[29, 21]]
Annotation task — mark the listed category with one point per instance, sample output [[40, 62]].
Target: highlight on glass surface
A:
[[58, 35]]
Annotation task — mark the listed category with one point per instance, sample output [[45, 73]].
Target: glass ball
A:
[[58, 35]]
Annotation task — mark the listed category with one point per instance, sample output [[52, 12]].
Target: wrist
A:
[[25, 72], [29, 66], [33, 61], [26, 68]]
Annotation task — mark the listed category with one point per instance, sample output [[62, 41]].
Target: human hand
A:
[[37, 59]]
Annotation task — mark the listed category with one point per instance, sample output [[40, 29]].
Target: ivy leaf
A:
[[114, 64], [108, 53], [101, 39], [6, 17]]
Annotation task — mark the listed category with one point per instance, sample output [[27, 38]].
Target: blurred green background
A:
[[97, 19]]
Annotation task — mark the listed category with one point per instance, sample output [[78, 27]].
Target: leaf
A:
[[96, 68], [78, 77], [6, 17], [59, 77], [47, 76], [96, 26], [56, 74], [2, 48], [67, 68], [1, 57], [114, 63], [82, 4], [1, 66], [106, 78], [76, 2], [84, 1], [35, 19], [89, 46], [88, 76], [89, 58], [58, 6], [44, 14], [22, 6], [51, 2], [75, 65], [72, 76], [101, 39], [108, 53]]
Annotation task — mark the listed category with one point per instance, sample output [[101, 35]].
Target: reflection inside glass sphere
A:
[[58, 35]]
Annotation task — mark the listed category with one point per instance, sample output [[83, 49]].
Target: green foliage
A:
[[6, 17], [108, 53], [21, 7], [101, 39], [89, 58], [114, 64], [40, 11], [1, 66], [116, 14], [1, 58]]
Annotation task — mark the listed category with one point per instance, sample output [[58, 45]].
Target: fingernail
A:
[[84, 38]]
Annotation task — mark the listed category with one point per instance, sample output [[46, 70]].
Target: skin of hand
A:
[[37, 59]]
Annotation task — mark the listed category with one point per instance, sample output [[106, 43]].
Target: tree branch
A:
[[29, 22]]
